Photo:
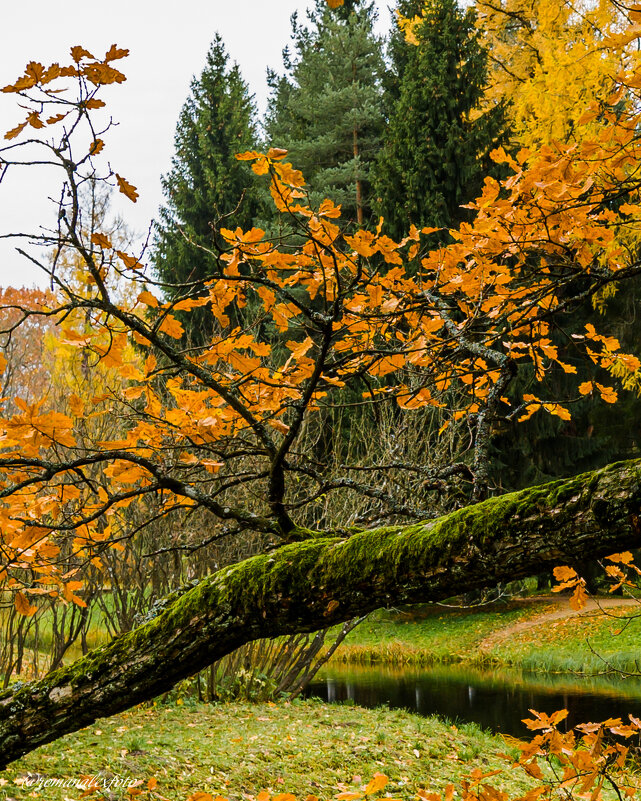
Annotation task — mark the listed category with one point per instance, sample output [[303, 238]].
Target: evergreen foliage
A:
[[327, 109], [206, 182], [439, 137]]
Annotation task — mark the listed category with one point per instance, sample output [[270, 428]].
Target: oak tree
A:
[[223, 429]]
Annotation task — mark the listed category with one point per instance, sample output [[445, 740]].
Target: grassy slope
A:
[[589, 644], [431, 633], [303, 747], [438, 634]]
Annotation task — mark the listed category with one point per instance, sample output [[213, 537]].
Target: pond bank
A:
[[540, 634], [494, 698]]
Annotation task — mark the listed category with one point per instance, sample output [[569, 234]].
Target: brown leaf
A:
[[35, 121], [53, 120], [101, 240], [78, 53], [115, 53], [15, 131], [127, 189]]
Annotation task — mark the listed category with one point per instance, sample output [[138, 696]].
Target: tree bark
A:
[[323, 580]]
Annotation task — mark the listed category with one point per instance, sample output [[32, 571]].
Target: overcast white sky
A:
[[168, 43]]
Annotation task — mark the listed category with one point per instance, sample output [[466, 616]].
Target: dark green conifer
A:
[[327, 109], [206, 182], [439, 135]]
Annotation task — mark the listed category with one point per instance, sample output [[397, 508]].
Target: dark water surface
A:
[[495, 699]]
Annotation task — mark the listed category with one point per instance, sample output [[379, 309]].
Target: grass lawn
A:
[[237, 750]]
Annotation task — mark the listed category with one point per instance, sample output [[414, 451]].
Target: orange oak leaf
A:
[[172, 327], [23, 606]]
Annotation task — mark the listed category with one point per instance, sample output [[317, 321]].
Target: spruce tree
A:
[[327, 109], [437, 143], [206, 182]]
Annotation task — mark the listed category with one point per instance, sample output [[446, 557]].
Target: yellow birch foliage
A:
[[551, 59]]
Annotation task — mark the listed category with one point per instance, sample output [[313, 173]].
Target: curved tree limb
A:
[[323, 580]]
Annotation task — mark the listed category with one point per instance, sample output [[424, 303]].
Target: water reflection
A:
[[498, 700]]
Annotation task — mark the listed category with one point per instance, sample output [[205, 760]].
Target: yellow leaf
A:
[[625, 557], [127, 189], [564, 573], [557, 410], [261, 167], [279, 426], [377, 783], [608, 394], [276, 153], [151, 784], [335, 3], [133, 393], [249, 155], [34, 120], [328, 209], [211, 466], [23, 606], [77, 600]]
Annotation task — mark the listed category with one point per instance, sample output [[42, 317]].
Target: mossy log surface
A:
[[324, 580]]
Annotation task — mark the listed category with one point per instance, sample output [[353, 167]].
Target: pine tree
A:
[[438, 139], [206, 182], [327, 110]]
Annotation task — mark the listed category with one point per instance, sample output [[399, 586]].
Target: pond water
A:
[[495, 699]]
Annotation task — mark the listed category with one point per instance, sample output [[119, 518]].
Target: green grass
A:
[[304, 747], [428, 634]]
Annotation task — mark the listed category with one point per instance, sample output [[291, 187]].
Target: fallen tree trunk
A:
[[324, 580]]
